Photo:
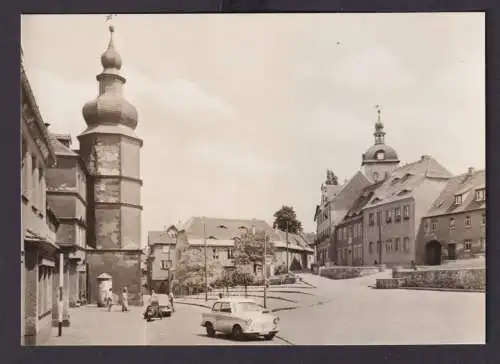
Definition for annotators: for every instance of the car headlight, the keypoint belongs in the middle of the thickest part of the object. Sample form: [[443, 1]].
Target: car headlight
[[249, 323], [276, 320]]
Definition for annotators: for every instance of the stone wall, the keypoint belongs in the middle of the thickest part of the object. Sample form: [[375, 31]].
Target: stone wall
[[464, 278], [347, 272], [124, 268]]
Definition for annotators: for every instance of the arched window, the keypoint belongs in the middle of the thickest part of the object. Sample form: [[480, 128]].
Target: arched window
[[375, 176]]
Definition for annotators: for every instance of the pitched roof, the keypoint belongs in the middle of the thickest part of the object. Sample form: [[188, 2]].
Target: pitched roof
[[465, 185], [363, 198], [223, 228], [403, 180], [59, 148], [160, 237]]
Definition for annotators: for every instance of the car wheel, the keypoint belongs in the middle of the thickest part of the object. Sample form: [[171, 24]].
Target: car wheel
[[269, 336], [237, 332], [210, 329]]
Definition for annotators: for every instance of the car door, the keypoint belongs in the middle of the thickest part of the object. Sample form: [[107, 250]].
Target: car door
[[215, 314], [224, 318]]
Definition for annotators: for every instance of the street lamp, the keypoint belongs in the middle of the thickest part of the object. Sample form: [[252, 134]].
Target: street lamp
[[286, 238], [205, 244], [379, 218], [264, 270]]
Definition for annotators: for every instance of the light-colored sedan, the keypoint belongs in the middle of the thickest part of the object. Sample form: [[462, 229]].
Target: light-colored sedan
[[240, 317]]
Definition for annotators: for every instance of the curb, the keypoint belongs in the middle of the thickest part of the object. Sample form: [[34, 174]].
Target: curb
[[434, 289]]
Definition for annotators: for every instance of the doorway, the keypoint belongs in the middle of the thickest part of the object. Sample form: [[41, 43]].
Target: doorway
[[433, 253], [452, 251]]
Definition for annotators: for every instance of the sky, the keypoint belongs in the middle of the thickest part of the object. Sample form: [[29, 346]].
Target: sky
[[243, 113]]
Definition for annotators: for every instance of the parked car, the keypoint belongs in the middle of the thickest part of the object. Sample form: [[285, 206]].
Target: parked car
[[240, 317]]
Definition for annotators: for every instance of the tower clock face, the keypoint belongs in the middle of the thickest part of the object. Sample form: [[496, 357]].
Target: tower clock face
[[380, 155]]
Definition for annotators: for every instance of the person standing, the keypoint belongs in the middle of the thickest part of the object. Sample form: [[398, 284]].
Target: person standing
[[125, 299], [109, 299], [171, 299]]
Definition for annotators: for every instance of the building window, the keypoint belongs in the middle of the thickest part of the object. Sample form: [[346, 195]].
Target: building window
[[406, 244], [164, 264], [371, 221], [230, 253], [458, 199], [426, 226], [397, 244], [406, 212], [44, 289], [397, 214], [375, 176], [215, 254], [467, 244], [24, 168], [482, 243], [360, 230], [452, 223], [481, 194], [483, 220], [34, 183], [467, 221], [388, 216], [434, 225], [370, 247], [388, 246]]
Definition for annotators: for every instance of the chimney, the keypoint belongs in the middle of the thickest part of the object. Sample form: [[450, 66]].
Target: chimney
[[470, 170], [424, 156]]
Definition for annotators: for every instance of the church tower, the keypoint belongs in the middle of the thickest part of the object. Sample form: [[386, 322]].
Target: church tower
[[380, 159], [111, 151]]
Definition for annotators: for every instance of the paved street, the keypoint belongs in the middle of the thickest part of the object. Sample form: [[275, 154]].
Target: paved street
[[353, 314]]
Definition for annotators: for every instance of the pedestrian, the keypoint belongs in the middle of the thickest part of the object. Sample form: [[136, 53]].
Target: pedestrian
[[125, 300], [220, 295], [171, 299], [109, 299]]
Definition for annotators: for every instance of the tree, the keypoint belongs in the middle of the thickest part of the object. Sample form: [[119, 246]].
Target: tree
[[249, 248], [285, 218], [242, 278]]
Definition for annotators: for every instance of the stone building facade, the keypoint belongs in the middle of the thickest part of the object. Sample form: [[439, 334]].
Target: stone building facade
[[217, 236], [333, 211], [455, 225], [39, 224], [393, 215], [349, 233], [67, 195], [110, 150]]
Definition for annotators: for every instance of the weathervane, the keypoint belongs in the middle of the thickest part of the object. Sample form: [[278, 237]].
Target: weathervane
[[378, 112]]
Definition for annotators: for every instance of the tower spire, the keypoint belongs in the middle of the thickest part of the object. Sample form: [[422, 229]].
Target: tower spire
[[379, 128]]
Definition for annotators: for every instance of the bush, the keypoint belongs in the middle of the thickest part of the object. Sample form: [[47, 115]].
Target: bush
[[280, 269], [295, 264]]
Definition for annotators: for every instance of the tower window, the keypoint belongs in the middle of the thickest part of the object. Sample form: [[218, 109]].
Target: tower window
[[458, 199], [375, 176], [380, 155]]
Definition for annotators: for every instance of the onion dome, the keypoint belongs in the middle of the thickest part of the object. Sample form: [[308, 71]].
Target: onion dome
[[110, 107], [379, 152]]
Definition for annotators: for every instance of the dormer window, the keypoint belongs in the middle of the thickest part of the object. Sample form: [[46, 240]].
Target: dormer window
[[221, 227], [405, 177], [375, 176], [458, 199], [404, 192], [376, 199], [395, 180], [481, 194], [212, 237]]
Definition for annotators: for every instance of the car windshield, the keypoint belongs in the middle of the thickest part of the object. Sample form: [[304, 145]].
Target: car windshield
[[248, 306]]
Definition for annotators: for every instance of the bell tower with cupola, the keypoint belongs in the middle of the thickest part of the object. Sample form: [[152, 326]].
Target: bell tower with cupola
[[380, 159], [110, 149]]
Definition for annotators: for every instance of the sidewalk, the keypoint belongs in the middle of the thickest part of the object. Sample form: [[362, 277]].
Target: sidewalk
[[92, 325]]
